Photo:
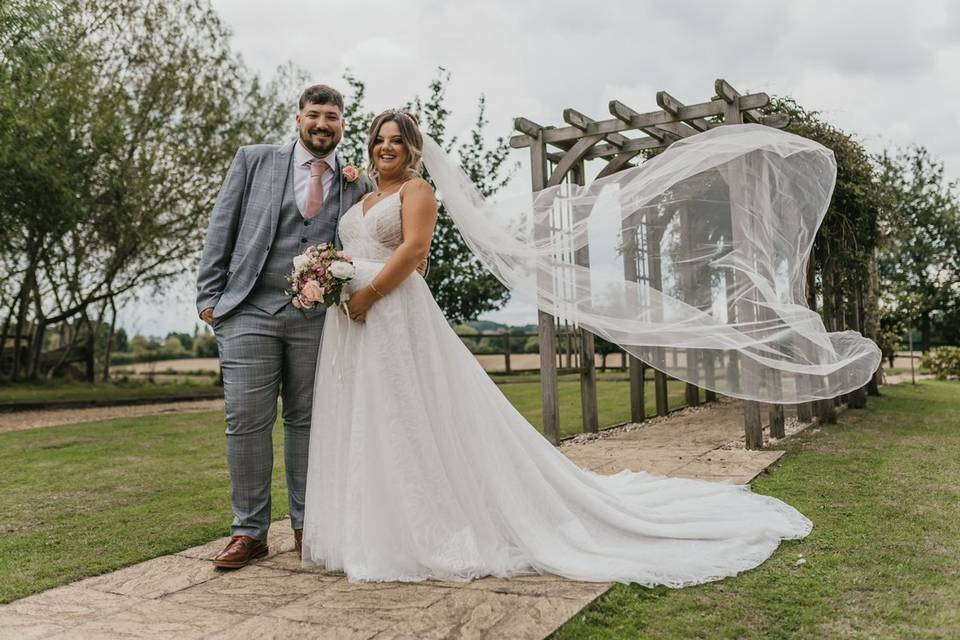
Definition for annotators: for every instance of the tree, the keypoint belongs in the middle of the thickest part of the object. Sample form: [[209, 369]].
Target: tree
[[845, 242], [605, 348], [920, 257], [460, 283], [185, 339], [120, 120], [205, 346]]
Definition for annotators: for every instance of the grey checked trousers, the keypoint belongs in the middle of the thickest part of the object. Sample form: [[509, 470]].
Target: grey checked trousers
[[263, 356]]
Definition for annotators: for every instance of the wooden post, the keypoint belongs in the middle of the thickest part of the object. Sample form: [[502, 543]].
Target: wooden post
[[589, 413], [709, 374], [549, 385], [826, 408], [858, 397], [652, 253], [631, 272], [777, 421], [805, 410], [688, 290], [506, 352], [753, 426], [637, 382], [660, 392]]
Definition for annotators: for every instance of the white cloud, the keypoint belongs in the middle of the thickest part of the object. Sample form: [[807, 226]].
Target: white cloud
[[885, 70]]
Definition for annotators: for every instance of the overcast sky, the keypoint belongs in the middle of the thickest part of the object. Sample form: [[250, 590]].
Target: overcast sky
[[887, 71]]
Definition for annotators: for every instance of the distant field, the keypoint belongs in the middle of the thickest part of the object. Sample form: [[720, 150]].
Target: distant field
[[180, 366], [519, 362]]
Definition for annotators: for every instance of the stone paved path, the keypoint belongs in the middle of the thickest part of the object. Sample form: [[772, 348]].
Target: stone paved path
[[182, 596]]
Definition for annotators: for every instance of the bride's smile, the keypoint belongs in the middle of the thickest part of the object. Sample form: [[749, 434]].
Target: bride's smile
[[389, 153]]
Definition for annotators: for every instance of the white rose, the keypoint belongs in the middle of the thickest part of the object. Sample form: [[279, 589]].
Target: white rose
[[342, 270], [299, 262]]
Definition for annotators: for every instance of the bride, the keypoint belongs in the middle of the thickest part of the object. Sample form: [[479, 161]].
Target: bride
[[420, 468]]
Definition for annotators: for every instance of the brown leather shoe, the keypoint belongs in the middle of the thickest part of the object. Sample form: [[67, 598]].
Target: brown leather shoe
[[298, 541], [240, 551]]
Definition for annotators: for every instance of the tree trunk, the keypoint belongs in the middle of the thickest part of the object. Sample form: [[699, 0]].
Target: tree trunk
[[113, 326], [36, 350], [68, 349], [18, 331], [924, 331], [3, 337], [871, 318], [39, 336], [91, 351]]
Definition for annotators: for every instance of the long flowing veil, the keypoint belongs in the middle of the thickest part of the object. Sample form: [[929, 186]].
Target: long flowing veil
[[694, 262]]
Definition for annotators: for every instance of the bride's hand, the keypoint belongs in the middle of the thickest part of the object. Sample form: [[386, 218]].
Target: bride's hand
[[360, 303]]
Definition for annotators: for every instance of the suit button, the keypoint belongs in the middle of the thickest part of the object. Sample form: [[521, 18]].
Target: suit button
[[303, 239], [306, 223]]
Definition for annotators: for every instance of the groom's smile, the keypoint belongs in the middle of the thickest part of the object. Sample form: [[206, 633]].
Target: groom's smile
[[320, 127]]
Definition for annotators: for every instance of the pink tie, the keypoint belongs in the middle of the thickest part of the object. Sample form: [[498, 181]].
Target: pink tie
[[315, 188]]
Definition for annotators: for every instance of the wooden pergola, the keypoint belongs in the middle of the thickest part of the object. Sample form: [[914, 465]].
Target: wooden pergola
[[558, 154]]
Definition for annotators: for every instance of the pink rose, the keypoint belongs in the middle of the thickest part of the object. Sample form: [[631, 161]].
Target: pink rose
[[312, 291], [350, 173]]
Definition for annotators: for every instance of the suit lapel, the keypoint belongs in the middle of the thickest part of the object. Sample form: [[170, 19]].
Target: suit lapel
[[280, 169]]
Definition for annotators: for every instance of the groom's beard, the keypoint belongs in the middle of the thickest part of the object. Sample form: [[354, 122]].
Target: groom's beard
[[323, 146]]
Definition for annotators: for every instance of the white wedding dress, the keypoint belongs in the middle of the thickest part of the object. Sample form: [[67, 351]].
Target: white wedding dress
[[420, 468]]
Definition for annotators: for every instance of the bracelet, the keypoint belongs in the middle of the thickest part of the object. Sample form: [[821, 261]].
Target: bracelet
[[375, 290]]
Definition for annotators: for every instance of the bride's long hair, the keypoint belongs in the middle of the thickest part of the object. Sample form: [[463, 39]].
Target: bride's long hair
[[409, 133]]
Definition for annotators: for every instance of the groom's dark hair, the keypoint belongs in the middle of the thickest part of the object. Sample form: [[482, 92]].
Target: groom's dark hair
[[321, 94]]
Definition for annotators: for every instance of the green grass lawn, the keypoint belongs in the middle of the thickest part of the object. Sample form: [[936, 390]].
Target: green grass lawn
[[84, 499], [882, 488], [883, 560], [58, 390], [613, 400]]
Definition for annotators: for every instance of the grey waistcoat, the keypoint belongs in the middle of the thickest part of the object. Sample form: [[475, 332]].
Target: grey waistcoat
[[294, 234]]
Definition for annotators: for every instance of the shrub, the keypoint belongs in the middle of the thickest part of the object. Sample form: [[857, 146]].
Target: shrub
[[944, 362]]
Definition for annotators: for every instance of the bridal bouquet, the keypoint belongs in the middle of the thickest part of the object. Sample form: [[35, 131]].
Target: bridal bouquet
[[319, 275]]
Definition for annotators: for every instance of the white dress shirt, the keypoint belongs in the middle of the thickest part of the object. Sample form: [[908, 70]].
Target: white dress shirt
[[301, 173]]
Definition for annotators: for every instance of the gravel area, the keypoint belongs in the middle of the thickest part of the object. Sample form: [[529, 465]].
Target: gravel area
[[23, 420]]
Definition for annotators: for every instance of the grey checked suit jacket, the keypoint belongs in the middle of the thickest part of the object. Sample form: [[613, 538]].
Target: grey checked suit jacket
[[244, 221]]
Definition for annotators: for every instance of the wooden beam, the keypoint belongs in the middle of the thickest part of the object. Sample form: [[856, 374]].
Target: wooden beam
[[673, 106], [618, 162], [728, 94], [691, 112], [527, 126], [571, 158], [579, 120], [665, 133], [635, 145]]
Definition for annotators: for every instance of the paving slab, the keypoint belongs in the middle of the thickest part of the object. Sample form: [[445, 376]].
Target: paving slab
[[184, 596]]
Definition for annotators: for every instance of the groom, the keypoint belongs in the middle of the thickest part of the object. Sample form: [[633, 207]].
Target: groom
[[276, 201]]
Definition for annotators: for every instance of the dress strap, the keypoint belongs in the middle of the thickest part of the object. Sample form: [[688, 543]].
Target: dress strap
[[403, 185]]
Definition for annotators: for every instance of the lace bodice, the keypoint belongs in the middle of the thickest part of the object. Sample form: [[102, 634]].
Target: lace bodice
[[373, 236]]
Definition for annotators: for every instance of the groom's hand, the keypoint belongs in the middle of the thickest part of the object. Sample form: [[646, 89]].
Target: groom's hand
[[207, 315]]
